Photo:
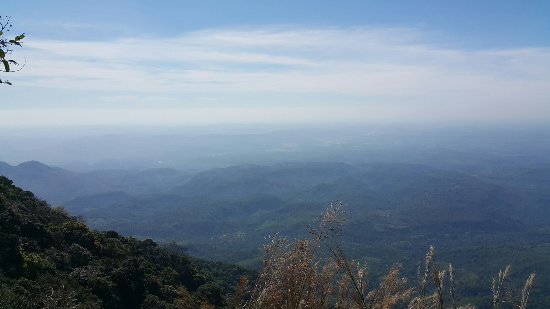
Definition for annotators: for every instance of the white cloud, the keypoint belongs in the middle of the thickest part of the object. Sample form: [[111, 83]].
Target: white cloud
[[194, 116], [374, 65]]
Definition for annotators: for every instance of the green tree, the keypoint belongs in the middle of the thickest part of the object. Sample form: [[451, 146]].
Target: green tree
[[6, 48]]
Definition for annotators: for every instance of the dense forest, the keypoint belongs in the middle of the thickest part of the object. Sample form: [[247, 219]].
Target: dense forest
[[51, 260]]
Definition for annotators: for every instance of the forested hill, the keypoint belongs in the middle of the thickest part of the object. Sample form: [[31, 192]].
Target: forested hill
[[51, 260]]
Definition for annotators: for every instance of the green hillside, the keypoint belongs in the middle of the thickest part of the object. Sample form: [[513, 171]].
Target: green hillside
[[479, 223], [51, 260], [226, 213]]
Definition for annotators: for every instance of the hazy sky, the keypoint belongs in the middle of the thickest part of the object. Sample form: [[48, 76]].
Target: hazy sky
[[188, 62]]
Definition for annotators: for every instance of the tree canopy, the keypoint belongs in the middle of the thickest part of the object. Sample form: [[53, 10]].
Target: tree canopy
[[51, 260]]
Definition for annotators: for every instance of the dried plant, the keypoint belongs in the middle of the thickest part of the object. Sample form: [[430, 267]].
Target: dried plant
[[452, 286], [498, 284], [299, 275], [240, 292], [430, 277], [391, 291], [316, 273], [526, 290]]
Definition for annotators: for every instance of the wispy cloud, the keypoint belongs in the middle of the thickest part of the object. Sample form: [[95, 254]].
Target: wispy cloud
[[398, 66]]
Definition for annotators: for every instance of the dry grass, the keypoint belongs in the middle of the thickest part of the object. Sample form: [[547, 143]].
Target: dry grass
[[316, 273]]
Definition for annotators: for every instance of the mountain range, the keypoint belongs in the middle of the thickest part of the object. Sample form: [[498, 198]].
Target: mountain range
[[479, 220]]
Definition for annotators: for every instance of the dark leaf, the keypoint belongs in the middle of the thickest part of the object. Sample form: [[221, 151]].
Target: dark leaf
[[6, 65]]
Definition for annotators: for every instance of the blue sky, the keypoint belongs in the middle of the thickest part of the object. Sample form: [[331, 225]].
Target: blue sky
[[187, 62]]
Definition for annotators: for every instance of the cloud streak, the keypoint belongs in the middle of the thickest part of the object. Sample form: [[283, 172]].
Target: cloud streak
[[391, 66]]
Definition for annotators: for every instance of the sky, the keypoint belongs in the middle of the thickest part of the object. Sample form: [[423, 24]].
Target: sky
[[278, 61]]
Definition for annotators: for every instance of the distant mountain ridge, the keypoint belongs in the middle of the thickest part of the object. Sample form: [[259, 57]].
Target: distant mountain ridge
[[46, 181], [240, 205], [229, 182], [377, 184], [57, 185], [394, 211], [215, 210]]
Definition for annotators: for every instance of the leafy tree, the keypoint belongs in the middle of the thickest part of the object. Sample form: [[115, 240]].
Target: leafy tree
[[6, 47]]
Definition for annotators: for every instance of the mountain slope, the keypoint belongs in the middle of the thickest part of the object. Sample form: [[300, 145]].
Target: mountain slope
[[226, 213], [45, 180], [57, 185], [50, 260]]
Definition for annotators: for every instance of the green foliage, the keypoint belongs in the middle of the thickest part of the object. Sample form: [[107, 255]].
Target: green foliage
[[51, 260], [6, 45]]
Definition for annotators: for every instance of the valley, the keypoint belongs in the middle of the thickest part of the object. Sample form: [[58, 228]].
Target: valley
[[394, 211]]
